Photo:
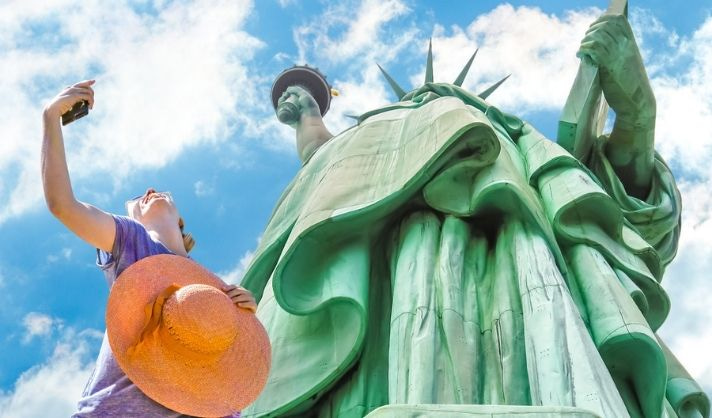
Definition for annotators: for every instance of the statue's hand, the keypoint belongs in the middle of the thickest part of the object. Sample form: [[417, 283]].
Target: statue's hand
[[609, 43], [294, 104]]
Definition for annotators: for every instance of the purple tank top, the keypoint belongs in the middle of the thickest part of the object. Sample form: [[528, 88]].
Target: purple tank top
[[109, 392]]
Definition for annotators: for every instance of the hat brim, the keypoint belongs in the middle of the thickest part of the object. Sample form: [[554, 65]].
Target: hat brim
[[308, 78], [216, 388]]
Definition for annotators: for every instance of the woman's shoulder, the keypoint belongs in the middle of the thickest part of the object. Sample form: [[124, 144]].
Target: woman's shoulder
[[126, 221], [128, 228], [131, 237]]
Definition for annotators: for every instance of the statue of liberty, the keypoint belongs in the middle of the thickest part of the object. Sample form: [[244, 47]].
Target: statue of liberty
[[442, 258]]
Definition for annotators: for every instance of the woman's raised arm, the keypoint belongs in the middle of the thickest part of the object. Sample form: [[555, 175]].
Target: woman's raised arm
[[89, 223]]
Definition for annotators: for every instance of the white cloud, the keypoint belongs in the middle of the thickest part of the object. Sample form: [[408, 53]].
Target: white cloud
[[55, 385], [202, 188], [285, 3], [539, 51], [355, 38], [165, 81], [357, 94], [234, 276], [536, 47], [64, 253], [344, 31], [685, 105], [38, 325], [687, 331]]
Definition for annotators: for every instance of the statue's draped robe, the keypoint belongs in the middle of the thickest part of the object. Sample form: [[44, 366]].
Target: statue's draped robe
[[443, 252]]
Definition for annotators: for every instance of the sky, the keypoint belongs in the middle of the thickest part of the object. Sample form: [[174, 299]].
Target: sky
[[182, 104]]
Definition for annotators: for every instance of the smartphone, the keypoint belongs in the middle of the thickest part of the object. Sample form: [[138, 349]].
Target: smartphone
[[80, 109]]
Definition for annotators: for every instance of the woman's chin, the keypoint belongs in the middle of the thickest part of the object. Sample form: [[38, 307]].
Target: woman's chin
[[157, 208]]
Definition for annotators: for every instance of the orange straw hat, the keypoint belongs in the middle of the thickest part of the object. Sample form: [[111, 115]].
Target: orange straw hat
[[183, 341]]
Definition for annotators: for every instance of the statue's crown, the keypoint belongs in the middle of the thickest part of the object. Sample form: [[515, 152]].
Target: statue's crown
[[400, 93]]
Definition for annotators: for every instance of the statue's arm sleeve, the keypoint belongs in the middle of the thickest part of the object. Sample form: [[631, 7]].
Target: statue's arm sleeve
[[657, 217]]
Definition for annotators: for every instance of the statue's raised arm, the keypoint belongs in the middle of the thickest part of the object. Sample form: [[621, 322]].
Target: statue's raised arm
[[301, 97], [609, 43]]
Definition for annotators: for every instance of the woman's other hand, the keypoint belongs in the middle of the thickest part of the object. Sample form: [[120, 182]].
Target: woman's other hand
[[241, 297], [68, 97]]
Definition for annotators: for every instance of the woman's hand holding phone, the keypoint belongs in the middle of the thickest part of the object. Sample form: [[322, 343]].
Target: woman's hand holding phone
[[66, 100]]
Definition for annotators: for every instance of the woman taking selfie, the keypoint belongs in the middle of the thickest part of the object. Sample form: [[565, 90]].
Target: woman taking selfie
[[153, 226]]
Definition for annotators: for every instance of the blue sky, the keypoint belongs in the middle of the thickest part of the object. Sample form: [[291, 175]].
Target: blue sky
[[182, 104]]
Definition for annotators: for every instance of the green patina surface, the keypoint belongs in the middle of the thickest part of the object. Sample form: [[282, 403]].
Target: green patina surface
[[442, 258], [442, 251]]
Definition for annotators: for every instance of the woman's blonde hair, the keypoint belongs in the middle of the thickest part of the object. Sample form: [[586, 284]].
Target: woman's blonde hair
[[188, 241]]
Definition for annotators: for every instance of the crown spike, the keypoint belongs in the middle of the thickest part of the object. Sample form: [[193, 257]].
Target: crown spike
[[429, 65], [492, 88], [394, 85], [461, 78], [354, 117]]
